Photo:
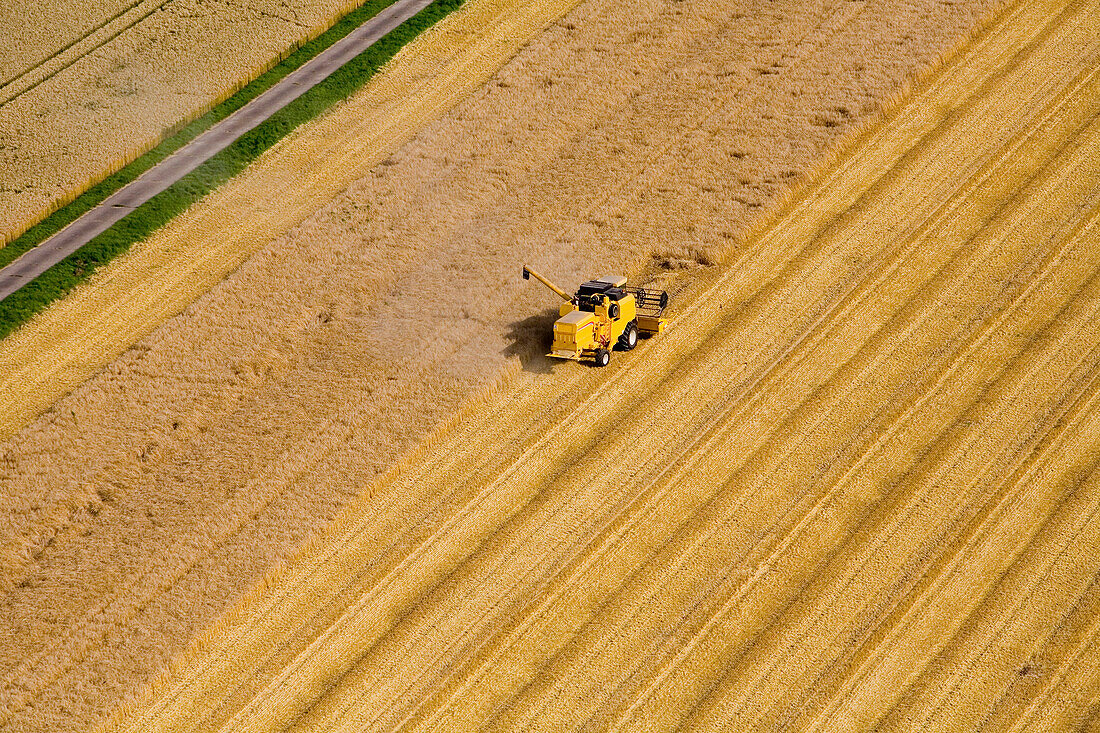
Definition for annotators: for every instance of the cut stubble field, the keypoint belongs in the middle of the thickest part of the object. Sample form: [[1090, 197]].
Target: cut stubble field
[[855, 487], [722, 494]]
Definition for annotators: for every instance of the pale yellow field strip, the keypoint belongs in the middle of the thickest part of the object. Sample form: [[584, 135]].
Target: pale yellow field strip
[[29, 71], [79, 335], [87, 87], [29, 39], [778, 512]]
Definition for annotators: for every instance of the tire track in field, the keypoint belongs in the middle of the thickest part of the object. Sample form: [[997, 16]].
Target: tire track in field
[[1016, 599], [996, 587], [836, 317], [1050, 656], [1069, 699], [1080, 227], [1026, 543], [859, 637], [16, 86], [714, 718]]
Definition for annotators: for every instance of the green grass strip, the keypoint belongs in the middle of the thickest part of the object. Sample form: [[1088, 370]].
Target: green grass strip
[[56, 282]]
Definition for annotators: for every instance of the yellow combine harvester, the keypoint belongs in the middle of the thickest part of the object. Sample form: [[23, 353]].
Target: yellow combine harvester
[[604, 313]]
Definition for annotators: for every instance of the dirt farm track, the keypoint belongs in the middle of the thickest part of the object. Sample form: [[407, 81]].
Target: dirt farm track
[[856, 485]]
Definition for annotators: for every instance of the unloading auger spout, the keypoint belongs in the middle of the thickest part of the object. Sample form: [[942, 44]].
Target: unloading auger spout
[[528, 273]]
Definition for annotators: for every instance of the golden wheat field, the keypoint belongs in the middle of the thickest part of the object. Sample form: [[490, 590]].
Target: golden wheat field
[[86, 87], [853, 487]]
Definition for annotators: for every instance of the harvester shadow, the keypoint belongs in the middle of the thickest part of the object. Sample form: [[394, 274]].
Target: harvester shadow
[[530, 340]]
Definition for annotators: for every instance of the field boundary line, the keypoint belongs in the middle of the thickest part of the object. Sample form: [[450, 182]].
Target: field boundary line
[[105, 177]]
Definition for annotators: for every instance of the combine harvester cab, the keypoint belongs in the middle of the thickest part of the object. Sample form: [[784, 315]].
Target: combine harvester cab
[[604, 313]]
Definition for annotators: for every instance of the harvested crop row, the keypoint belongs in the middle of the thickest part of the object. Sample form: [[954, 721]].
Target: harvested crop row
[[856, 486], [641, 134], [107, 80]]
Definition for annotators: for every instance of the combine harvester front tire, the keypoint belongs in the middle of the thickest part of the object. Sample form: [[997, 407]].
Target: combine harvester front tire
[[629, 339]]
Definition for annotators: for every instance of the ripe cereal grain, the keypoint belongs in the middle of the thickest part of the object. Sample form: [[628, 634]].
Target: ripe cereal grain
[[643, 137]]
